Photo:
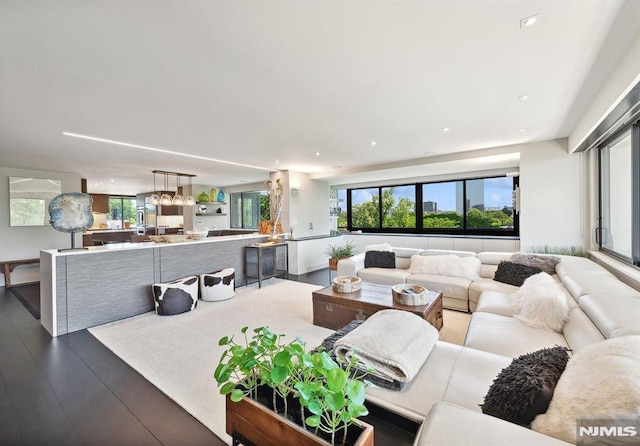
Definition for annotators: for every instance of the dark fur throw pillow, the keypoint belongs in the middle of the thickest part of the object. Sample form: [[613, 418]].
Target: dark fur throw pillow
[[380, 259], [524, 388], [514, 273]]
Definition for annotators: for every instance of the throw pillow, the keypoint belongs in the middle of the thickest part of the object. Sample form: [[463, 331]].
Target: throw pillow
[[379, 247], [541, 302], [379, 259], [514, 273], [524, 389], [600, 382], [448, 265], [545, 263], [176, 297]]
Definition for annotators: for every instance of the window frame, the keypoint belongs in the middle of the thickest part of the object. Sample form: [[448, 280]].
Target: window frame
[[419, 228], [633, 130]]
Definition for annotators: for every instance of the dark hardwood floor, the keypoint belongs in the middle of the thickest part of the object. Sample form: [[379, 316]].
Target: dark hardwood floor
[[72, 390]]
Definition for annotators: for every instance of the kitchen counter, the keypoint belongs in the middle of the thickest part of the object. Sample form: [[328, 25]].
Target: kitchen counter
[[107, 231], [82, 288]]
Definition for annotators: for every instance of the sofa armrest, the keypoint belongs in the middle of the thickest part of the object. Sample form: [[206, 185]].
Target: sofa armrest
[[351, 265], [447, 424]]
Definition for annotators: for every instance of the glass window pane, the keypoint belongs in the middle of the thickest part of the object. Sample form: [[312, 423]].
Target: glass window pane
[[365, 208], [442, 205], [490, 203], [399, 207], [342, 209], [616, 197]]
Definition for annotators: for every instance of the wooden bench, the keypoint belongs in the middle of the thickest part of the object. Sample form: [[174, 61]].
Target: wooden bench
[[8, 266]]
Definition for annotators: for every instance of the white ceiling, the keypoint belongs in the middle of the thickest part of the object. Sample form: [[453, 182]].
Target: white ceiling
[[253, 82]]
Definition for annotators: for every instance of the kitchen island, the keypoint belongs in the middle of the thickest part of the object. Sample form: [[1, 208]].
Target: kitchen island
[[83, 288]]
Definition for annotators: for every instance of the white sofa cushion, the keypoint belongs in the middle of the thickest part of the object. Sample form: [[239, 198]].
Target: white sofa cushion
[[383, 276], [447, 252], [378, 247], [507, 336], [579, 331], [454, 287], [451, 373], [452, 425], [446, 265], [479, 286], [496, 303]]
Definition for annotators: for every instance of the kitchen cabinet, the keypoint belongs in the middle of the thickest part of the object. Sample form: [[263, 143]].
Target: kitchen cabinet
[[100, 203]]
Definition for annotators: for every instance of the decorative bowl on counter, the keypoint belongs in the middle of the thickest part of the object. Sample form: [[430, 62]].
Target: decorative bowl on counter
[[157, 238], [346, 284], [198, 234], [175, 238], [408, 294]]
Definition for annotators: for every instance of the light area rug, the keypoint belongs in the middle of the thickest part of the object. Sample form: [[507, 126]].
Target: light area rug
[[179, 354]]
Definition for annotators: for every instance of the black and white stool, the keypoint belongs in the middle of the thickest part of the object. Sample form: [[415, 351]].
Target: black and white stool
[[219, 285], [178, 296]]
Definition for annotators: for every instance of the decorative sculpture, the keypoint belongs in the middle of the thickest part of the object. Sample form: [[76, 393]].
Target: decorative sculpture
[[71, 212]]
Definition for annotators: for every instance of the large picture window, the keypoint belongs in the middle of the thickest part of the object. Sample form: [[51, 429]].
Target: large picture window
[[619, 233], [481, 206], [248, 209]]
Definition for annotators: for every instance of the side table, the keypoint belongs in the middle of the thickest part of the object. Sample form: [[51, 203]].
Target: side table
[[263, 261]]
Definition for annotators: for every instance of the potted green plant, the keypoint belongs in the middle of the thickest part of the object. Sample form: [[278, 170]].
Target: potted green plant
[[339, 251], [280, 394]]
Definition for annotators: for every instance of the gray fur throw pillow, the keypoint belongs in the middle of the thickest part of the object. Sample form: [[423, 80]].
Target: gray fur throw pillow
[[545, 263], [524, 389], [514, 273]]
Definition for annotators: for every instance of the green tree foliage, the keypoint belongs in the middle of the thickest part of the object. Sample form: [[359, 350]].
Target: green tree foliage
[[264, 207], [403, 215], [442, 220]]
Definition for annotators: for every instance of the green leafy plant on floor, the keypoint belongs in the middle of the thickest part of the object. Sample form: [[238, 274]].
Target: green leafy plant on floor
[[559, 250], [328, 392]]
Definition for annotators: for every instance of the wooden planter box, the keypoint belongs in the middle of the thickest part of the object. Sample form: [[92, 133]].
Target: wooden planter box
[[259, 425]]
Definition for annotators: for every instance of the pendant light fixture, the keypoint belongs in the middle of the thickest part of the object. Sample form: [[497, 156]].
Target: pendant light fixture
[[165, 199], [155, 199], [178, 199], [189, 200]]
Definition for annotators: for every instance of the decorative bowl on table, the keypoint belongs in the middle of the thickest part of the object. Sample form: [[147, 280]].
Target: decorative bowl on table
[[346, 284], [175, 238], [157, 238], [197, 234], [409, 294]]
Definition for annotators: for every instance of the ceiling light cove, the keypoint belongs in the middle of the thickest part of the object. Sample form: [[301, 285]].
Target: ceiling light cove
[[153, 149], [529, 21]]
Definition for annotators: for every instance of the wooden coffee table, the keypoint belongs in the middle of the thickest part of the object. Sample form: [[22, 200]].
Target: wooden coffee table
[[335, 310]]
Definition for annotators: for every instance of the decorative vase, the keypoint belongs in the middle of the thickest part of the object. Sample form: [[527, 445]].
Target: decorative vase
[[220, 196], [213, 195]]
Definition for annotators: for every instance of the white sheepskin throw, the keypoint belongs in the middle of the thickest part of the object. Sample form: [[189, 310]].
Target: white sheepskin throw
[[601, 381], [379, 247], [541, 302], [449, 265]]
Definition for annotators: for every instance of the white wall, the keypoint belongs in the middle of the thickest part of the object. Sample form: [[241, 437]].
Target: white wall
[[26, 242], [309, 205], [623, 78], [551, 197]]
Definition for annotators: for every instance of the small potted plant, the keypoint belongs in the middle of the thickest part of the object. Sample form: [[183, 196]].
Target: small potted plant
[[280, 394], [339, 251]]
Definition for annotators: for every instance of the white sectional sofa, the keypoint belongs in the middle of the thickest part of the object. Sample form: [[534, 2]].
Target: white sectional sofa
[[454, 379], [458, 293]]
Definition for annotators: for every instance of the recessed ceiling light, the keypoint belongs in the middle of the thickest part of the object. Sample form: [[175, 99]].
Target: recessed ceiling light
[[523, 97], [276, 161], [523, 130], [317, 153], [445, 129], [373, 143], [112, 180], [529, 21]]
